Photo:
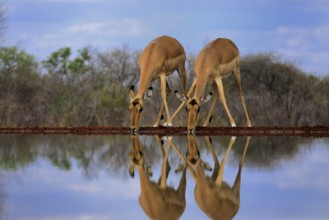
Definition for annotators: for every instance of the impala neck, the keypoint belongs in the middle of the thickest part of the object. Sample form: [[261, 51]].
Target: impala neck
[[200, 86], [143, 178], [201, 179], [145, 81]]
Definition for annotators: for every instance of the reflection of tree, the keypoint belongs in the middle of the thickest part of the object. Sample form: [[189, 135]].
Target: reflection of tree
[[93, 154], [270, 152], [17, 151]]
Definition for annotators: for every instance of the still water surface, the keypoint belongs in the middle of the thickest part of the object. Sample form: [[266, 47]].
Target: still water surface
[[87, 177]]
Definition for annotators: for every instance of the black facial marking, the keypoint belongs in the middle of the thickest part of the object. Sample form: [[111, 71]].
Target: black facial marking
[[193, 102], [135, 103]]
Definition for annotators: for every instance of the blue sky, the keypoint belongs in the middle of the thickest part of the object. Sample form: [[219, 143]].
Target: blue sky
[[298, 30]]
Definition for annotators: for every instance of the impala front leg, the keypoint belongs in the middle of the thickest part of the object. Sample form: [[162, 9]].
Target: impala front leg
[[164, 98], [220, 87], [183, 103], [212, 107]]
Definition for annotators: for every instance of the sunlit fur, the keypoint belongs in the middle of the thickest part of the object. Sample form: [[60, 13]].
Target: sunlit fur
[[136, 111], [160, 58], [193, 154], [136, 155], [157, 199], [217, 60], [193, 108]]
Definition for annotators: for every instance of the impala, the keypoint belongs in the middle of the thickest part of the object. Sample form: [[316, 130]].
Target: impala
[[217, 60], [160, 58], [158, 200], [216, 198]]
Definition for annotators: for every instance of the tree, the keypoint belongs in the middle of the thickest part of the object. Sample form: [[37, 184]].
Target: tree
[[19, 87]]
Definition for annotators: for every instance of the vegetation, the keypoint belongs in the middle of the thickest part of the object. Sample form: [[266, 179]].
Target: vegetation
[[92, 89]]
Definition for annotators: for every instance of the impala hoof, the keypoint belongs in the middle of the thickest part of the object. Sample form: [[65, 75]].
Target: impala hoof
[[166, 124]]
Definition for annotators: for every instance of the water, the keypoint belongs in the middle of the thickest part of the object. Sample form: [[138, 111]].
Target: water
[[87, 177]]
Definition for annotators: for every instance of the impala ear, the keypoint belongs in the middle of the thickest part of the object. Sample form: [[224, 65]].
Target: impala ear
[[206, 98], [148, 93], [132, 171], [131, 92], [181, 96]]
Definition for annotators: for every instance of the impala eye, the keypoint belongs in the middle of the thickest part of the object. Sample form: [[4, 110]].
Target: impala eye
[[140, 110], [198, 110], [186, 109]]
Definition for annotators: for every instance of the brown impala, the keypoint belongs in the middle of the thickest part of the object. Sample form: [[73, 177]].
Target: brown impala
[[218, 59], [158, 200], [216, 198], [160, 58]]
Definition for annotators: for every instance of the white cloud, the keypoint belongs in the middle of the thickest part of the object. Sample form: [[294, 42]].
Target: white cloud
[[125, 27], [87, 27]]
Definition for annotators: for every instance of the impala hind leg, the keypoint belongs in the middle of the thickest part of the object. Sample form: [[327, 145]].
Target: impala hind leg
[[182, 75], [219, 84], [159, 117], [237, 77]]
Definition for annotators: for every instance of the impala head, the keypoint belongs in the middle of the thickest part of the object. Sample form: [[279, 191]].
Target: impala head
[[136, 155], [192, 108], [193, 153], [136, 107]]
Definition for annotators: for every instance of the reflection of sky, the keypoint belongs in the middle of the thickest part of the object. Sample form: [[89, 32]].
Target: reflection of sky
[[296, 190]]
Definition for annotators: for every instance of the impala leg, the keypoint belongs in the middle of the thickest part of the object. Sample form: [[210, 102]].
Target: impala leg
[[238, 82], [182, 185], [219, 83], [183, 103], [163, 178], [163, 153], [182, 75], [214, 156], [237, 182], [159, 117], [212, 107], [164, 98], [222, 164]]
